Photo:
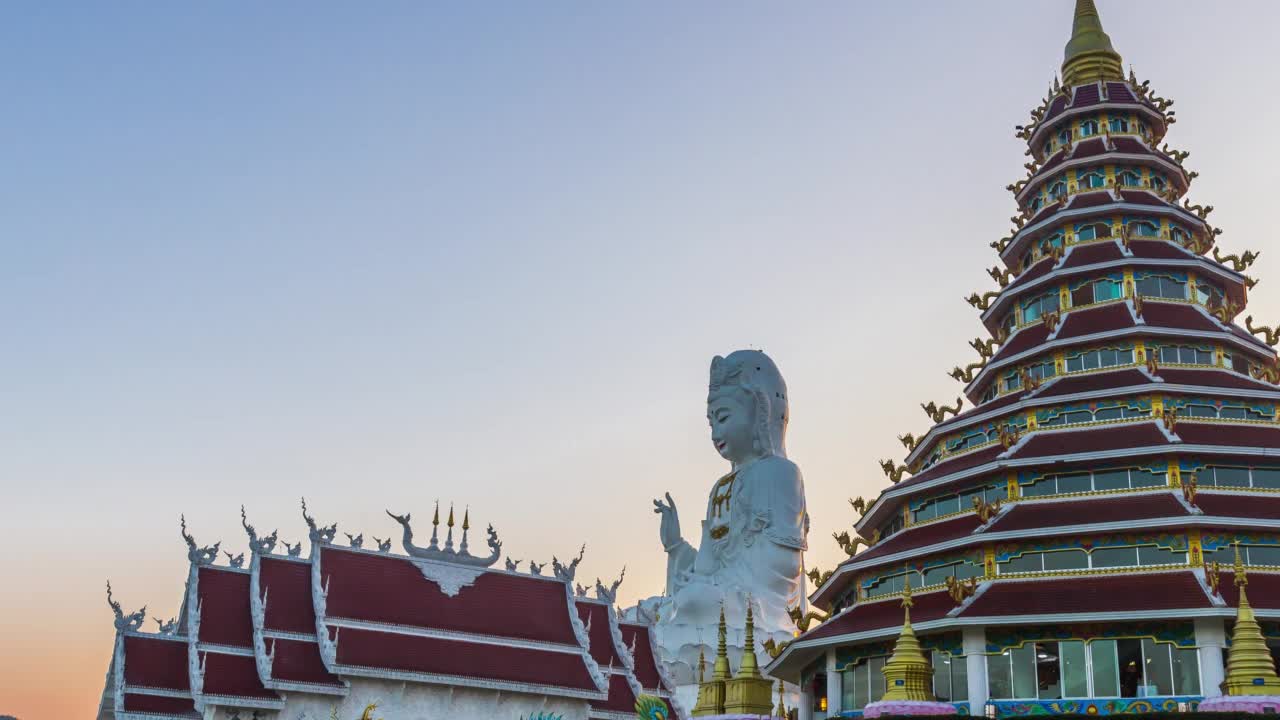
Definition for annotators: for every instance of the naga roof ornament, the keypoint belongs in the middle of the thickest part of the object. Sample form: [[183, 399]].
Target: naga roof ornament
[[460, 556], [126, 623], [568, 572], [323, 535], [198, 555], [258, 545]]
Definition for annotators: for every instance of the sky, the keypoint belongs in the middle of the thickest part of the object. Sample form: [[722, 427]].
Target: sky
[[380, 255]]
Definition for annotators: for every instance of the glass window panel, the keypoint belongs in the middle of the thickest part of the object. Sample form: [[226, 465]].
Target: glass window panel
[[928, 511], [1024, 671], [1075, 678], [1076, 363], [1129, 660], [1143, 478], [1043, 486], [1159, 671], [861, 689], [967, 570], [1231, 477], [1066, 560], [1000, 676], [941, 676], [948, 505], [1233, 413], [959, 678], [1186, 671], [997, 492], [938, 575], [1082, 296], [1115, 557], [1264, 555], [1201, 411], [1109, 414], [1074, 483], [848, 682], [1028, 562], [1075, 417], [875, 672], [1106, 290], [1111, 480], [1106, 674], [1153, 555], [1048, 672], [1266, 478]]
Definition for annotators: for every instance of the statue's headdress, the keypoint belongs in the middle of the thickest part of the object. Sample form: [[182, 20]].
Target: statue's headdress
[[754, 372]]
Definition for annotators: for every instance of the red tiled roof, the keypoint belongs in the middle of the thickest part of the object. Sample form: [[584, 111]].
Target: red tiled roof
[[1000, 402], [1038, 270], [389, 589], [434, 656], [153, 662], [867, 616], [1194, 433], [299, 661], [1177, 315], [1085, 95], [1033, 515], [596, 616], [1056, 107], [1114, 593], [1263, 589], [1114, 316], [1130, 146], [1090, 200], [621, 698], [1026, 338], [233, 676], [1211, 378], [1142, 197], [1090, 382], [1120, 437], [1118, 92], [954, 465], [1158, 250], [224, 607], [160, 705], [917, 536], [1093, 253], [1253, 505], [287, 585], [646, 666]]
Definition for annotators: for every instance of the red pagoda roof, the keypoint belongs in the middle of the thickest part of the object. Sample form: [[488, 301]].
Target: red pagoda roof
[[287, 585], [1228, 435], [298, 662], [1089, 321], [1212, 377], [233, 679], [1069, 442], [1145, 592], [880, 615], [597, 617], [954, 464], [224, 606], [1177, 315], [1092, 253], [1263, 589], [155, 677], [1093, 382], [638, 638], [1251, 505], [160, 706], [1031, 515]]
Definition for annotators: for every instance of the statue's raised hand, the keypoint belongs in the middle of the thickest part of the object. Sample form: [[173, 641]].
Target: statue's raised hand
[[669, 531]]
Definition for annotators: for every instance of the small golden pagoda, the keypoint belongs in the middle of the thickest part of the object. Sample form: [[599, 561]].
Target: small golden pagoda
[[749, 692], [1250, 669], [711, 692], [907, 674]]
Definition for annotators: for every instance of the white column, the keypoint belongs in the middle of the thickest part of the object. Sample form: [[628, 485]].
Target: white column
[[833, 684], [975, 644], [1211, 637], [806, 701]]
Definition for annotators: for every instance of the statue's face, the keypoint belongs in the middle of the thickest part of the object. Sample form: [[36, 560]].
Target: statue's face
[[732, 418]]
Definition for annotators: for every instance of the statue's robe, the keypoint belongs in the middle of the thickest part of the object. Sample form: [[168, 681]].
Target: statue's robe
[[753, 542]]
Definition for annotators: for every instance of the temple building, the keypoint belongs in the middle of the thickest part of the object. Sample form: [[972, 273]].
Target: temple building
[[357, 632], [1065, 535]]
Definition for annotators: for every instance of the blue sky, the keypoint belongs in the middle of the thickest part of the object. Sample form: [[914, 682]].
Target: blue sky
[[484, 253]]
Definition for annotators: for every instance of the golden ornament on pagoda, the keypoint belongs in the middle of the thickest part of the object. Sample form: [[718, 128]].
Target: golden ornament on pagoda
[[907, 674], [1250, 669]]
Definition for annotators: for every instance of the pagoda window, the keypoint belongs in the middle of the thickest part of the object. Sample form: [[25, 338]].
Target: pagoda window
[[1226, 412], [1064, 136], [892, 584], [1036, 308], [1252, 555], [1036, 203], [961, 570], [1162, 286], [1057, 190], [1098, 558], [1179, 234], [1144, 228], [1095, 231], [1185, 355], [1208, 295], [1011, 381], [863, 683], [950, 677], [1012, 674], [1143, 130], [1158, 183], [1101, 358], [990, 393], [1048, 148], [1088, 128], [1237, 362], [1242, 477], [1128, 178], [1042, 370], [972, 439], [1090, 179], [1118, 125], [1096, 481]]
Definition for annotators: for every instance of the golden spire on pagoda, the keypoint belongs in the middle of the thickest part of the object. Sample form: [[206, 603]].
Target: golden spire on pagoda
[[781, 710], [711, 692], [1089, 55], [1250, 669], [750, 667], [749, 692], [907, 673]]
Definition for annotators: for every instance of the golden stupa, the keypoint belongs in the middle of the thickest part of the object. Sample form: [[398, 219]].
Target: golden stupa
[[1250, 669], [907, 674]]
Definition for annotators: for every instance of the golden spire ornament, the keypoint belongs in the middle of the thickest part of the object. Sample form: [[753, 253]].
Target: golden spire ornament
[[711, 692], [749, 692], [1089, 55], [907, 673], [1250, 669]]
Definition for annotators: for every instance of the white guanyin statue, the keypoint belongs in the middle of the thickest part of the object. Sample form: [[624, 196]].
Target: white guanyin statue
[[753, 534]]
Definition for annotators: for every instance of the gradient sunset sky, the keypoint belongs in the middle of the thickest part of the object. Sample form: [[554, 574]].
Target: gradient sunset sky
[[484, 252]]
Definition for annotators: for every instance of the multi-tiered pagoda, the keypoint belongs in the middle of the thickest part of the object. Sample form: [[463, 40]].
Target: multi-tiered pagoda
[[1063, 528]]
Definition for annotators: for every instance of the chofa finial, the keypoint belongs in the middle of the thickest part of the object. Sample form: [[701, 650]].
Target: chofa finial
[[195, 553], [448, 554], [125, 623], [320, 535], [257, 545]]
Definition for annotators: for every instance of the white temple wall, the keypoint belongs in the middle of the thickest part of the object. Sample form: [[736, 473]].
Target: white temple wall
[[411, 701]]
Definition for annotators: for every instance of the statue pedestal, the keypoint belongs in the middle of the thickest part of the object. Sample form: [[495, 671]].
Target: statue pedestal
[[907, 707]]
